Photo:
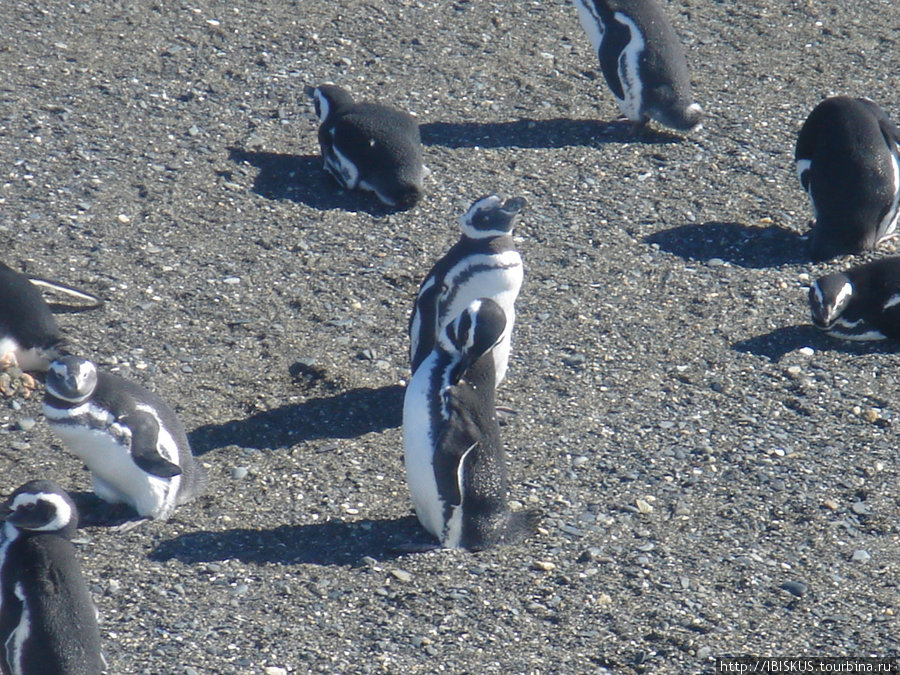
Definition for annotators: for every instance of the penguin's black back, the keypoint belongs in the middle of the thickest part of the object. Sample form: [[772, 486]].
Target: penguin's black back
[[64, 638], [849, 143], [398, 147], [24, 314], [486, 519]]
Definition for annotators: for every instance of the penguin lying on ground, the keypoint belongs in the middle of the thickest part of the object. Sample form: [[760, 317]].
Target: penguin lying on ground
[[48, 622], [133, 443], [369, 146], [29, 336], [847, 161], [484, 263], [861, 303], [642, 60], [455, 463]]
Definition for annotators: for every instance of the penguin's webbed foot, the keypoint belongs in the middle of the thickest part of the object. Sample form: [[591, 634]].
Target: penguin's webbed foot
[[13, 381]]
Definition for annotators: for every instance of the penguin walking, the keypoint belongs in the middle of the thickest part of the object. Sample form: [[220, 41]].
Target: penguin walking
[[642, 60], [455, 463], [370, 146], [133, 443], [861, 303], [29, 336], [484, 263], [847, 161], [48, 622]]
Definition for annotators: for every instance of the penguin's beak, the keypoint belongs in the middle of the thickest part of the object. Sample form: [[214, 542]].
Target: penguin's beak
[[514, 205], [309, 91]]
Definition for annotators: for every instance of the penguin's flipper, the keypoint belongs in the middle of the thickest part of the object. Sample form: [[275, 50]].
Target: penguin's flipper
[[454, 447], [421, 341], [84, 301], [612, 49], [144, 449]]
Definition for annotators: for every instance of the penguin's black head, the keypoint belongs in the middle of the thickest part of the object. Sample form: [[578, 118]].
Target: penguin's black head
[[72, 379], [41, 506], [328, 98], [676, 114], [475, 331], [491, 217], [828, 298]]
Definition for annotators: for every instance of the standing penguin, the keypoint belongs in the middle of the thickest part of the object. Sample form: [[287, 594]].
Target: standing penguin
[[133, 443], [484, 263], [642, 60], [455, 463], [370, 146], [861, 303], [847, 160], [48, 622]]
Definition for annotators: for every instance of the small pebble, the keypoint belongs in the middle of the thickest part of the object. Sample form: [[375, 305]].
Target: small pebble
[[796, 588], [190, 671], [402, 575], [544, 565], [807, 351], [275, 670], [643, 506], [239, 472], [715, 262], [860, 508], [859, 555], [25, 424]]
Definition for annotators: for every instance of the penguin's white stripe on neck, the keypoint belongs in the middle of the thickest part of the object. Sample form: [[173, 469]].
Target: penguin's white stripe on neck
[[628, 68]]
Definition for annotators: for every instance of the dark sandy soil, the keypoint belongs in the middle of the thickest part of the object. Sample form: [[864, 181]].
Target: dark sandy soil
[[695, 446]]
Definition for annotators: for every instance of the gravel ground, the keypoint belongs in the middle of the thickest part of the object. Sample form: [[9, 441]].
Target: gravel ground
[[716, 477]]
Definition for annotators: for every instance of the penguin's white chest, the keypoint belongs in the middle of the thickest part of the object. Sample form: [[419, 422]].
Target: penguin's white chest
[[418, 451], [117, 479]]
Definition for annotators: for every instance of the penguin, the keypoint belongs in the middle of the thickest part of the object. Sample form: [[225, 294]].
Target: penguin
[[483, 263], [370, 146], [642, 60], [133, 443], [847, 161], [29, 336], [861, 303], [48, 622], [455, 463]]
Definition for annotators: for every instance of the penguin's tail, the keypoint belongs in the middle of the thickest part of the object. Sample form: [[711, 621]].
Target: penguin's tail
[[82, 300]]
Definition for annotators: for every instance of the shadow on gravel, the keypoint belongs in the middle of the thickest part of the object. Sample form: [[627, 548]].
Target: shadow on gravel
[[346, 415], [558, 133], [301, 178], [784, 340], [332, 543], [738, 244]]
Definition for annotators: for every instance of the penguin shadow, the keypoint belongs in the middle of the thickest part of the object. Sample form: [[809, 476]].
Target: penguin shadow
[[787, 339], [526, 133], [334, 542], [346, 415], [736, 243], [301, 178]]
